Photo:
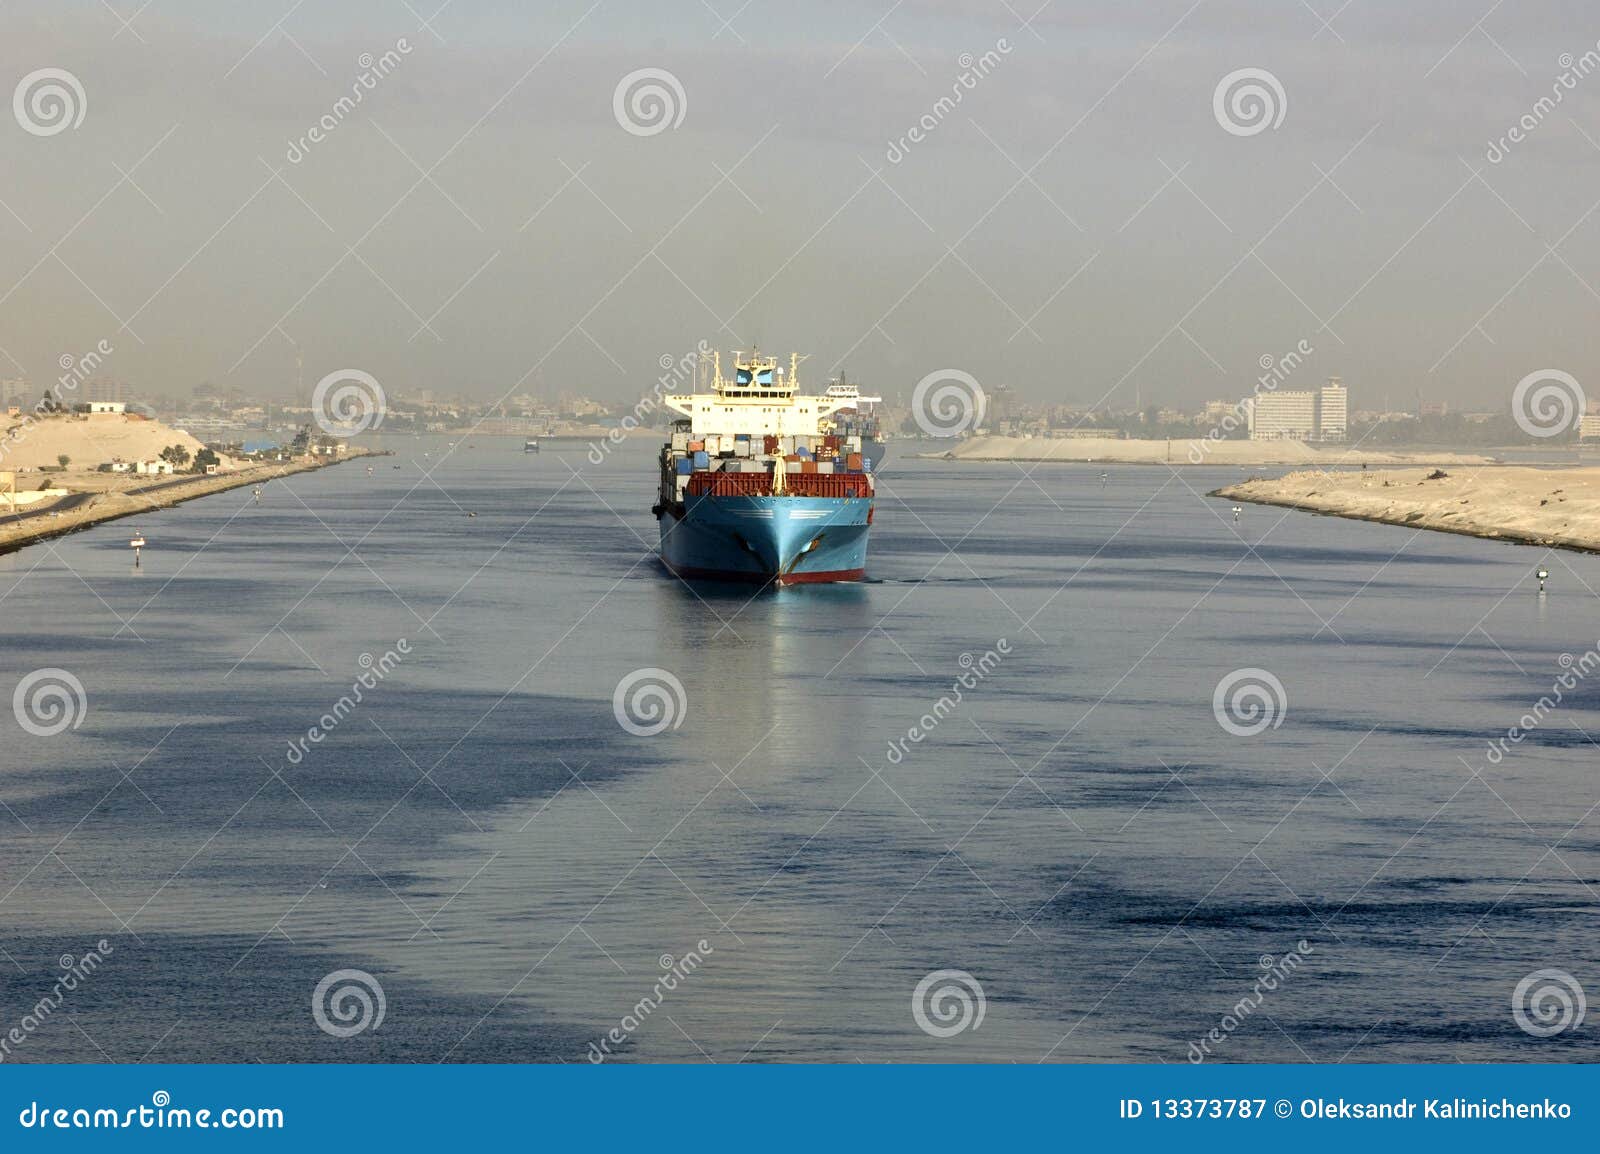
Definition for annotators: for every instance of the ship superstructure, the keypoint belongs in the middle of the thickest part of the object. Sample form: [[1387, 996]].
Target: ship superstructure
[[755, 485]]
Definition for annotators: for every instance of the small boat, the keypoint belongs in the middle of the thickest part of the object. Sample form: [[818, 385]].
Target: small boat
[[530, 446]]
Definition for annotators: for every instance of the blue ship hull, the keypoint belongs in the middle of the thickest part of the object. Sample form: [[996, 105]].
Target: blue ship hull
[[783, 540]]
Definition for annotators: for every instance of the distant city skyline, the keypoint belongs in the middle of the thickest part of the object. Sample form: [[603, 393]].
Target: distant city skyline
[[1066, 213]]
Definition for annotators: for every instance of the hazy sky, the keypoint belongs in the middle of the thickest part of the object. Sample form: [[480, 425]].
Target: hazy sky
[[1079, 225]]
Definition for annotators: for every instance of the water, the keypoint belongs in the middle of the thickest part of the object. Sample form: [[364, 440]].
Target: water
[[1079, 832]]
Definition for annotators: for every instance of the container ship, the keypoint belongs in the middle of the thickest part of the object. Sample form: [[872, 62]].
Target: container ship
[[754, 484], [857, 418]]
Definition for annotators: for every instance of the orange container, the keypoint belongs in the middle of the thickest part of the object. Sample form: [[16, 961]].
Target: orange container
[[697, 446], [808, 466], [853, 462]]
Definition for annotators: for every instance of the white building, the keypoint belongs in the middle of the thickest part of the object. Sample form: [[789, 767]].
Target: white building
[[1589, 427], [1285, 415], [1333, 405], [153, 467], [106, 407], [1300, 414]]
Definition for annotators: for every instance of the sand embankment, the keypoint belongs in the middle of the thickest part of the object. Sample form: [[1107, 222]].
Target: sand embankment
[[30, 441], [118, 496], [1197, 451], [1556, 507]]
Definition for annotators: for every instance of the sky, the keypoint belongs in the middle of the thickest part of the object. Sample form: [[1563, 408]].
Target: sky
[[1086, 225]]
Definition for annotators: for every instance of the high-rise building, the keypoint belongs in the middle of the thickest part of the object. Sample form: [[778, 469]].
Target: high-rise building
[[1285, 415], [1300, 414], [1333, 403]]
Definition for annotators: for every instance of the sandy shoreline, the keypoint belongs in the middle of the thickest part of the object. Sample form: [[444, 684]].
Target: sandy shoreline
[[1557, 507], [1194, 451], [86, 508]]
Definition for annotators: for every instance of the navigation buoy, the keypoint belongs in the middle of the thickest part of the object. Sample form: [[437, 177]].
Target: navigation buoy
[[1543, 574], [1236, 511], [257, 492], [136, 543]]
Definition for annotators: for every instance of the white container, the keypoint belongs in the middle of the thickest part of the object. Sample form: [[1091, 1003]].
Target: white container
[[825, 468], [680, 442], [791, 466]]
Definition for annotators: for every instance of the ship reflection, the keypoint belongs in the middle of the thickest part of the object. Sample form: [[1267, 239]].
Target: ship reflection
[[766, 670]]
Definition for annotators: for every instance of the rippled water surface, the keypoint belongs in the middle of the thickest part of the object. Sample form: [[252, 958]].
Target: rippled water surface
[[1078, 832]]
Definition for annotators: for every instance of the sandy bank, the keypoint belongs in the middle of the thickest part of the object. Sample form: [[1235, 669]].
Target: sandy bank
[[1559, 507], [30, 441], [87, 506], [1198, 451]]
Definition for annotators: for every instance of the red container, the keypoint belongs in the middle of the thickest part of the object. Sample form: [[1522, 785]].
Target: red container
[[828, 485], [769, 445], [835, 485]]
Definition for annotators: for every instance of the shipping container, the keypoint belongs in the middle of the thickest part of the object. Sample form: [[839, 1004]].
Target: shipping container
[[769, 444], [853, 462], [702, 460], [808, 466], [825, 468], [696, 446], [680, 442], [685, 466]]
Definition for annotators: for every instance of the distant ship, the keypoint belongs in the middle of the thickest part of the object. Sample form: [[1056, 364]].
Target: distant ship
[[530, 446], [857, 419], [754, 485]]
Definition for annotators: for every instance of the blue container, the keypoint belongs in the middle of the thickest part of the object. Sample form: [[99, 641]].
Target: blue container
[[685, 466], [702, 460], [803, 454]]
